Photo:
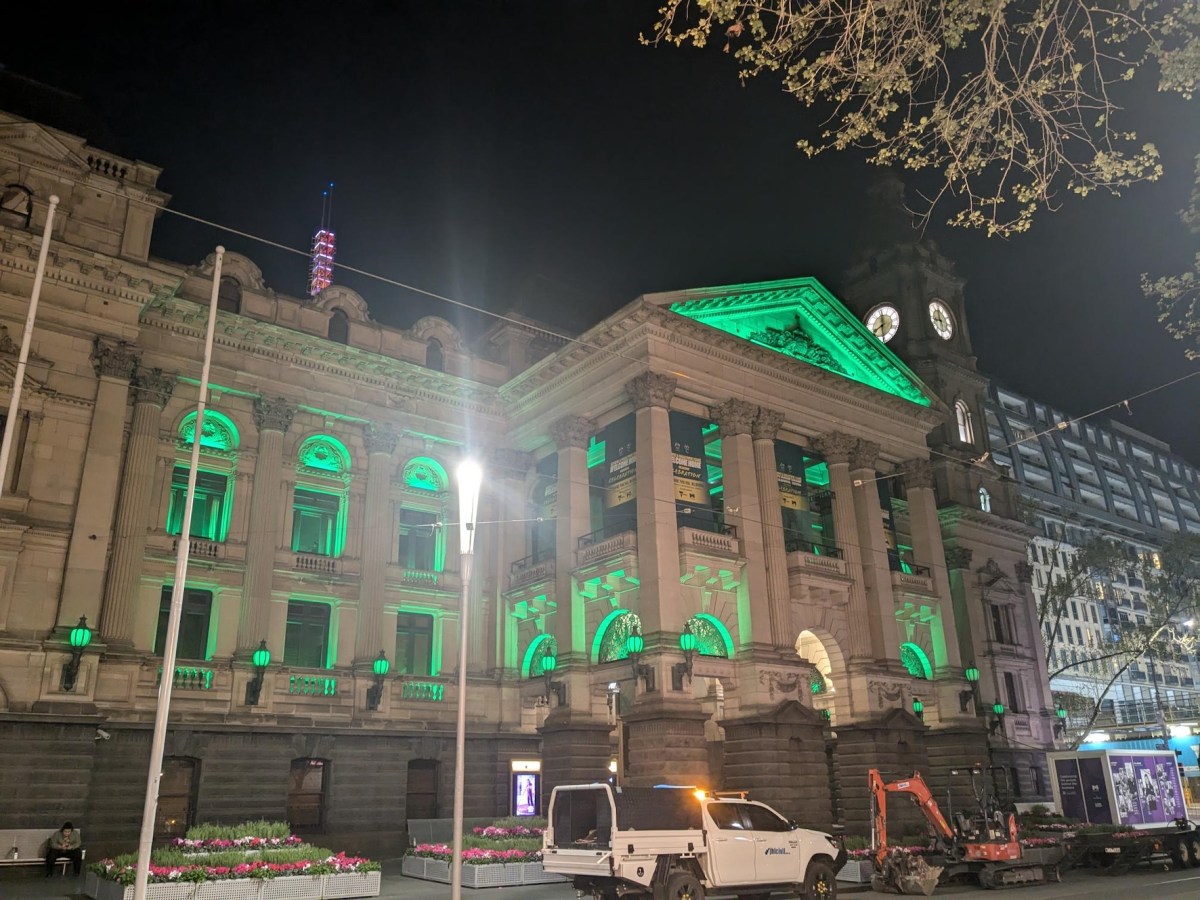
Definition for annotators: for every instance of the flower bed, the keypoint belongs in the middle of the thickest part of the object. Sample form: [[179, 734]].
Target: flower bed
[[506, 853], [232, 865]]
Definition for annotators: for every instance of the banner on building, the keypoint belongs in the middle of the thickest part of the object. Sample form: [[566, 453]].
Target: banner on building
[[691, 485], [791, 492], [622, 479]]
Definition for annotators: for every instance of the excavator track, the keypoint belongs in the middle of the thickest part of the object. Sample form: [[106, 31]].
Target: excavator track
[[999, 877]]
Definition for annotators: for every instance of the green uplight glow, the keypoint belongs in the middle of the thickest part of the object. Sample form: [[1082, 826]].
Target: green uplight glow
[[609, 642], [712, 637], [541, 648], [914, 659], [425, 474], [595, 454], [325, 454], [799, 318], [218, 433]]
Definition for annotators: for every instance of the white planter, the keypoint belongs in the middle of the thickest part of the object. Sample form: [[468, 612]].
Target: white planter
[[492, 875], [351, 884], [413, 866], [856, 871], [291, 887], [533, 873], [239, 889]]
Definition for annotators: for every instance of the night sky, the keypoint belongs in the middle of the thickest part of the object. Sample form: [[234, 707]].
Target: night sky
[[532, 155]]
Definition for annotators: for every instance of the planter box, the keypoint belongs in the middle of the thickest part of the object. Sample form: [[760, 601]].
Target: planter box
[[413, 866], [533, 873], [857, 871], [494, 875], [288, 887]]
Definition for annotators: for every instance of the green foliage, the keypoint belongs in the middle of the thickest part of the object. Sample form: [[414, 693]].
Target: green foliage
[[509, 843], [168, 857], [1008, 103], [518, 821], [207, 832]]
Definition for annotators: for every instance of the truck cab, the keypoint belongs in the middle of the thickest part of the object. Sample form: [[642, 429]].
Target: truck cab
[[683, 844]]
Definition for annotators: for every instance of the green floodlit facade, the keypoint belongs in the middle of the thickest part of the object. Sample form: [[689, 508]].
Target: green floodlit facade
[[746, 468], [800, 319]]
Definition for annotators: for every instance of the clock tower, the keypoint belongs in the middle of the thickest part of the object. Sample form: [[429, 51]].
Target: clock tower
[[910, 297]]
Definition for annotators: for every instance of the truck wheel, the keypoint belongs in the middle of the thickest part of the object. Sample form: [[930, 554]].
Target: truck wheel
[[684, 886], [1181, 854], [820, 882]]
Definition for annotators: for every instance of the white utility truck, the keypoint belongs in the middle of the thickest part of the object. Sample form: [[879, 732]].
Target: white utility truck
[[678, 843]]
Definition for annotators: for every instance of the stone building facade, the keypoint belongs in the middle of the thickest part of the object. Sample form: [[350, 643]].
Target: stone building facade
[[747, 465]]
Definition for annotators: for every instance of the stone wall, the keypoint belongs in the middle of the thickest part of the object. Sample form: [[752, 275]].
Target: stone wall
[[893, 743]]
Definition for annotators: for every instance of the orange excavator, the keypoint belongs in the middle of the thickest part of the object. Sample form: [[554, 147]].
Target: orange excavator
[[985, 848]]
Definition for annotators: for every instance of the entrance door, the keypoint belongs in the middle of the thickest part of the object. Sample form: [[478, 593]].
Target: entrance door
[[421, 802], [176, 797]]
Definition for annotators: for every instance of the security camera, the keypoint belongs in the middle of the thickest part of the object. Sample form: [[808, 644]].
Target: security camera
[[102, 735]]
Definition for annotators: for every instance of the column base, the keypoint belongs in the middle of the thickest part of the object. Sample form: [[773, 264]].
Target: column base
[[667, 744], [576, 749], [894, 743]]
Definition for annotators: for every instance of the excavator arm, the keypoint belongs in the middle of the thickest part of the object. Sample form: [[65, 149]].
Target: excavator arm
[[916, 788]]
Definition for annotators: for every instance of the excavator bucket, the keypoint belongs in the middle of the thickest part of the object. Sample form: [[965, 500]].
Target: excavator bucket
[[902, 873]]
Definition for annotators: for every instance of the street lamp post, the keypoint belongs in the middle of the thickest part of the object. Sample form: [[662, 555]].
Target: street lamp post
[[470, 477]]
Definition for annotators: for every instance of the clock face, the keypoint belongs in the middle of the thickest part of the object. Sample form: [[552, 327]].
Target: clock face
[[884, 322], [943, 322]]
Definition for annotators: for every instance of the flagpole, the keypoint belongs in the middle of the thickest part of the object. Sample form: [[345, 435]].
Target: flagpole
[[10, 423], [154, 774]]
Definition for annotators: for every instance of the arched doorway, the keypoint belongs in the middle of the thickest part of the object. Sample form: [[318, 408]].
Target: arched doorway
[[828, 686]]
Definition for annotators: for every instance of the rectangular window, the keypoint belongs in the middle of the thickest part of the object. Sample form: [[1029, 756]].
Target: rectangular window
[[306, 642], [999, 625], [193, 624], [1012, 692], [1079, 635], [315, 527], [209, 518], [1095, 620], [1074, 610], [418, 540], [414, 644]]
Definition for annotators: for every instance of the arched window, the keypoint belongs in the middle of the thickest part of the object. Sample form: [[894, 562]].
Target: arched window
[[16, 205], [319, 501], [213, 501], [962, 416], [306, 794], [229, 295], [539, 648], [424, 474], [434, 358], [985, 500], [339, 327], [712, 637], [609, 643], [914, 659]]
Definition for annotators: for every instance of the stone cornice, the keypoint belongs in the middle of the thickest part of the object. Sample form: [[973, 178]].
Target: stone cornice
[[405, 381], [641, 322], [951, 516]]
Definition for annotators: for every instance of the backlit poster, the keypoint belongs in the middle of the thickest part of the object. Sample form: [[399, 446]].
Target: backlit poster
[[1146, 789], [1095, 791], [1070, 789], [688, 466]]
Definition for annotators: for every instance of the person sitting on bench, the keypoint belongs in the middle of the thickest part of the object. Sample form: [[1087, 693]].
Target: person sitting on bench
[[64, 842]]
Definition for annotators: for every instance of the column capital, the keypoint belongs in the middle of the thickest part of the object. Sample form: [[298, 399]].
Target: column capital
[[114, 360], [733, 416], [958, 557], [152, 386], [835, 446], [651, 389], [273, 414], [917, 473], [766, 424], [572, 431], [511, 463], [864, 455], [380, 439]]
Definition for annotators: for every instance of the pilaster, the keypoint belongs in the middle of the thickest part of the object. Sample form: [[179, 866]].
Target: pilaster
[[273, 417], [87, 555], [571, 435], [929, 552], [380, 443], [764, 429], [151, 391], [877, 571]]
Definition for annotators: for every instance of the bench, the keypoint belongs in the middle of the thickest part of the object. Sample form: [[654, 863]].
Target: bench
[[30, 845], [440, 831]]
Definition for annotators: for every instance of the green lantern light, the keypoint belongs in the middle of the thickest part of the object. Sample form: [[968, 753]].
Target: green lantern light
[[635, 643], [971, 674], [826, 715], [549, 664], [262, 656], [998, 708], [918, 706], [1061, 713], [687, 640], [381, 666], [81, 634]]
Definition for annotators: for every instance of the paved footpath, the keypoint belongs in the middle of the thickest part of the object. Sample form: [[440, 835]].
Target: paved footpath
[[1080, 885]]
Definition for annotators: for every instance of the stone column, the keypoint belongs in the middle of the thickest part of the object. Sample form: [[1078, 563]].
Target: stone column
[[891, 742], [575, 749], [877, 570], [836, 448], [571, 435], [511, 468], [272, 417], [667, 743], [152, 390], [929, 552], [742, 510], [369, 639], [83, 583], [765, 428], [968, 619], [661, 597]]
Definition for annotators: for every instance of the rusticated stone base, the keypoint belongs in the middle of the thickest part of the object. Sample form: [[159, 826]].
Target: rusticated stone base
[[576, 749], [957, 748], [779, 756], [894, 743], [667, 744]]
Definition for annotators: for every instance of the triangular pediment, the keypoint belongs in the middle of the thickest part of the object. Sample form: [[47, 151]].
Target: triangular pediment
[[23, 138], [799, 318]]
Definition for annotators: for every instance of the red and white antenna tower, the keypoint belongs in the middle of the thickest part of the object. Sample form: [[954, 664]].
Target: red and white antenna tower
[[320, 272]]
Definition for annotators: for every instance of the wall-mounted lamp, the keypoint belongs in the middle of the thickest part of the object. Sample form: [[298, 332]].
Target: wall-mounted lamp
[[998, 718], [1060, 726], [553, 688], [79, 638], [379, 668], [687, 643], [634, 645], [918, 708], [261, 659], [971, 693]]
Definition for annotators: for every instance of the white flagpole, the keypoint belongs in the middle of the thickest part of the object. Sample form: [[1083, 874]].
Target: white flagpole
[[10, 424], [154, 775]]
